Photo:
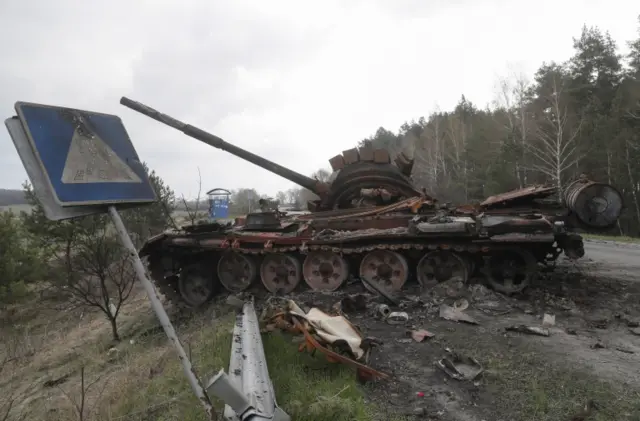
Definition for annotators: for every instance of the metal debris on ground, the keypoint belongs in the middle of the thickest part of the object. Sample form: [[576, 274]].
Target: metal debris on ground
[[397, 318], [481, 293], [455, 315], [530, 330], [421, 335], [411, 301], [585, 414], [632, 323], [460, 367], [333, 336], [382, 311], [352, 303], [461, 304], [381, 291], [548, 320]]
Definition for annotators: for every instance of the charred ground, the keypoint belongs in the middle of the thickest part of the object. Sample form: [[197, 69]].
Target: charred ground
[[590, 354]]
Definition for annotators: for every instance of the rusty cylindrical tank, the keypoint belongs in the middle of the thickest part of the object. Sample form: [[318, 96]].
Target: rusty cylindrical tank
[[596, 205]]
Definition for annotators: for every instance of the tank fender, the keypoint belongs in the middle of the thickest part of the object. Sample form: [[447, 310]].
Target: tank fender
[[150, 244]]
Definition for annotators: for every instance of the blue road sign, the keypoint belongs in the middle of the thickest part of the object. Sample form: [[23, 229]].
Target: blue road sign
[[87, 157]]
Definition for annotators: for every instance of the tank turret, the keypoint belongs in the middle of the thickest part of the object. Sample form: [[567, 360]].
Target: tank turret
[[362, 177]]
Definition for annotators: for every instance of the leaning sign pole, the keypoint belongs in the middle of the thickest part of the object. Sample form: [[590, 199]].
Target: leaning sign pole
[[82, 163]]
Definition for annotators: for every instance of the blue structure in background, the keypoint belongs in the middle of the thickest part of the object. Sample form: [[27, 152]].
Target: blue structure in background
[[218, 203]]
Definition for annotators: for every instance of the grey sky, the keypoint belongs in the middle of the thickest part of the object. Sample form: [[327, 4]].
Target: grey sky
[[296, 82]]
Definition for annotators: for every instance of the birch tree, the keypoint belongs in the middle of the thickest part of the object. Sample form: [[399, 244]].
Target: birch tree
[[556, 149]]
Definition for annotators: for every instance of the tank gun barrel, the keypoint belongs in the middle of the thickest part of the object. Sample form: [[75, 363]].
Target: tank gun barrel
[[315, 186]]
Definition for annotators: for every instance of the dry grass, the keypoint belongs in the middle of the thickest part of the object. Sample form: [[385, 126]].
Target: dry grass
[[142, 379]]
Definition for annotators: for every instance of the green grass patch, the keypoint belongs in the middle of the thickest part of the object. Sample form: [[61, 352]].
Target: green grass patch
[[622, 239], [524, 382], [308, 388], [539, 391]]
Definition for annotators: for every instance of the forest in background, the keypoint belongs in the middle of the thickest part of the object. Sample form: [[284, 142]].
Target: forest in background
[[581, 116]]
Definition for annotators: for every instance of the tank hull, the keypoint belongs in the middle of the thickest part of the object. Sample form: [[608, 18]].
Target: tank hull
[[390, 246], [372, 222]]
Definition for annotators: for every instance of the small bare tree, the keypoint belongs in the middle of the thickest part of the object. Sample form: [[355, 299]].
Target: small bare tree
[[8, 401], [281, 197], [101, 273], [321, 175], [80, 404], [85, 261], [193, 212], [87, 264]]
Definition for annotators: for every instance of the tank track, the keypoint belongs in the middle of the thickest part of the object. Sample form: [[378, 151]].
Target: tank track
[[471, 253], [168, 287]]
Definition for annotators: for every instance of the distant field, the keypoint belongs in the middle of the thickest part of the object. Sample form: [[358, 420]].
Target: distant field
[[16, 208], [180, 216]]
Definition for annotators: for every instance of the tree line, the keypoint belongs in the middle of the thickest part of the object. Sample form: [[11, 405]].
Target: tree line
[[581, 116]]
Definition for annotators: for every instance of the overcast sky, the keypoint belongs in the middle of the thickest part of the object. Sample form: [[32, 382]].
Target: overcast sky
[[293, 81]]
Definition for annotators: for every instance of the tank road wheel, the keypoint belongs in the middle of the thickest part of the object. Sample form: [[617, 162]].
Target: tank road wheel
[[236, 271], [280, 273], [197, 285], [510, 271], [441, 266], [324, 270], [386, 269]]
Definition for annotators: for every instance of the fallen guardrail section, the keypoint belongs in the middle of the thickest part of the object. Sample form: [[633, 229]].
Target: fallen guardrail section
[[247, 391]]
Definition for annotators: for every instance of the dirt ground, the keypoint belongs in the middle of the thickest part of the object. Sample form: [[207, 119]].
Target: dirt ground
[[591, 354]]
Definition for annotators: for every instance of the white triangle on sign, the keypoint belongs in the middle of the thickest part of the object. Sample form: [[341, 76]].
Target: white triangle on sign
[[91, 160]]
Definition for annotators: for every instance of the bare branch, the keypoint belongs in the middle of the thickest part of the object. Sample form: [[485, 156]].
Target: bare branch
[[8, 400], [80, 405], [193, 215]]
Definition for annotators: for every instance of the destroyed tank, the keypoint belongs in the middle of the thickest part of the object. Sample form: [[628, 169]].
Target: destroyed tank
[[371, 222]]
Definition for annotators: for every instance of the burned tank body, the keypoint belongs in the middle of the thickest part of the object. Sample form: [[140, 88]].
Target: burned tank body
[[371, 222]]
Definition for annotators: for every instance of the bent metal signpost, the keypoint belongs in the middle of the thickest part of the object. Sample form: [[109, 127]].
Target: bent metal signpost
[[83, 163]]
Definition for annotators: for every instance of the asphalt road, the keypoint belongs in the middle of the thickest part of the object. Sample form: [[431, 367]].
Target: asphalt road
[[623, 256]]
